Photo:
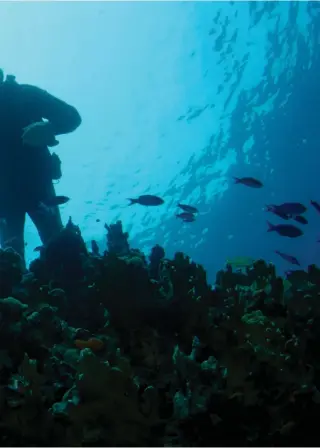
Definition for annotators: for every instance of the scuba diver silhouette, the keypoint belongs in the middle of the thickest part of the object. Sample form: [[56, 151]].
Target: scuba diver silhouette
[[30, 119]]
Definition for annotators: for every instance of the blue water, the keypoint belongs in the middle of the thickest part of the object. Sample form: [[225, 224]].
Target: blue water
[[176, 98]]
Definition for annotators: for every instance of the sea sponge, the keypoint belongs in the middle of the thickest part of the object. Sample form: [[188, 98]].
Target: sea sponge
[[94, 344], [12, 308]]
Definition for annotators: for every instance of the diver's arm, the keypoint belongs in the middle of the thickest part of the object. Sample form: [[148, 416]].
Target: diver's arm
[[63, 117]]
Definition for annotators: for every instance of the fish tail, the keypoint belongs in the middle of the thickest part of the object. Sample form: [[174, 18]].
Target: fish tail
[[270, 226], [236, 180], [132, 201]]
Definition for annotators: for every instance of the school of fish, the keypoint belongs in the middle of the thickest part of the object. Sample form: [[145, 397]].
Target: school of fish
[[287, 211], [188, 213]]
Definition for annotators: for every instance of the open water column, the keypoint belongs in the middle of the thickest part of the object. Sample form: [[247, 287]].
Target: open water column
[[176, 99]]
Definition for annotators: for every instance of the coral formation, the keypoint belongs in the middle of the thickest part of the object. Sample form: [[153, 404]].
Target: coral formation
[[117, 239], [121, 349]]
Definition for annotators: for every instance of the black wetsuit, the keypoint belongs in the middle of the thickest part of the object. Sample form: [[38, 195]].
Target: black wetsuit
[[25, 171]]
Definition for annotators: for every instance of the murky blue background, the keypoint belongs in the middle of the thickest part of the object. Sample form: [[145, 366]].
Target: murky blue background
[[176, 98]]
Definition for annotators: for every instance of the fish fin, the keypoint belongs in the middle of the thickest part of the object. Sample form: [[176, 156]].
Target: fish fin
[[269, 208], [132, 201], [271, 226]]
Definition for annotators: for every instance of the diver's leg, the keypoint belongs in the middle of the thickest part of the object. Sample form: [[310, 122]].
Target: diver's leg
[[47, 221], [12, 231]]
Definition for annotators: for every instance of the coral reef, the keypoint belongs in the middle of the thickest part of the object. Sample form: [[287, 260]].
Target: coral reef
[[117, 239], [121, 349]]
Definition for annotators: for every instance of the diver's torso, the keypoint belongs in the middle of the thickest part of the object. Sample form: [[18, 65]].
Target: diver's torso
[[23, 169]]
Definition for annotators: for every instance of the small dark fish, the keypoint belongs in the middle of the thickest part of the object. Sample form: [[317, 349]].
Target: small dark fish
[[273, 209], [288, 258], [146, 199], [56, 200], [301, 219], [285, 230], [249, 182], [98, 220], [186, 217], [189, 219], [291, 208], [188, 208], [38, 249], [95, 248], [316, 205]]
